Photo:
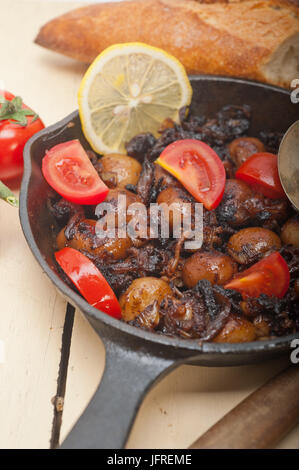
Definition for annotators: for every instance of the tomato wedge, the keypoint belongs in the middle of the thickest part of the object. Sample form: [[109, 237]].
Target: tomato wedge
[[269, 276], [89, 281], [261, 172], [68, 170], [198, 168]]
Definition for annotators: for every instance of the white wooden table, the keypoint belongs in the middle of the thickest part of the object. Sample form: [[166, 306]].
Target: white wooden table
[[175, 412]]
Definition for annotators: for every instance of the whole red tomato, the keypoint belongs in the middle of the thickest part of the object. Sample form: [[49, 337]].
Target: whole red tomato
[[17, 124]]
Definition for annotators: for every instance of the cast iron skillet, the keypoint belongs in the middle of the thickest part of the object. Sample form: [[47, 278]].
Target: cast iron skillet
[[136, 359]]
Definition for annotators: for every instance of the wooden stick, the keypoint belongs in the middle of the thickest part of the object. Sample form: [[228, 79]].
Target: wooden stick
[[261, 420]]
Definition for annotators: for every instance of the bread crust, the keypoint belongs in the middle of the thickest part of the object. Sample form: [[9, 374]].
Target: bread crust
[[237, 38]]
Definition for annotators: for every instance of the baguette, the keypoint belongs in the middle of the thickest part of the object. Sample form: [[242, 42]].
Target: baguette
[[250, 38]]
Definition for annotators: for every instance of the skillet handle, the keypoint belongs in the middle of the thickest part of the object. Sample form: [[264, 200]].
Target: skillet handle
[[129, 373]]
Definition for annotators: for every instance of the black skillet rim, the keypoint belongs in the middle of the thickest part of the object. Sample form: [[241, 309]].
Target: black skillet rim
[[276, 344]]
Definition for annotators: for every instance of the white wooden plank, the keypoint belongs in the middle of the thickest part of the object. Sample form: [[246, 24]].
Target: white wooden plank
[[31, 321], [32, 313]]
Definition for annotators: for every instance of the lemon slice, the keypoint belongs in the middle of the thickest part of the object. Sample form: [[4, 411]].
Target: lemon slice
[[128, 89]]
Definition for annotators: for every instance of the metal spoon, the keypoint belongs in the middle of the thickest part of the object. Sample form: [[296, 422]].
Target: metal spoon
[[288, 163]]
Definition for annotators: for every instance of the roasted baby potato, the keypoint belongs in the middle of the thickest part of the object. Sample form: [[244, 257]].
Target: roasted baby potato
[[242, 148], [290, 232], [174, 195], [142, 293], [118, 170], [84, 238], [251, 244], [237, 330], [238, 204], [216, 267]]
